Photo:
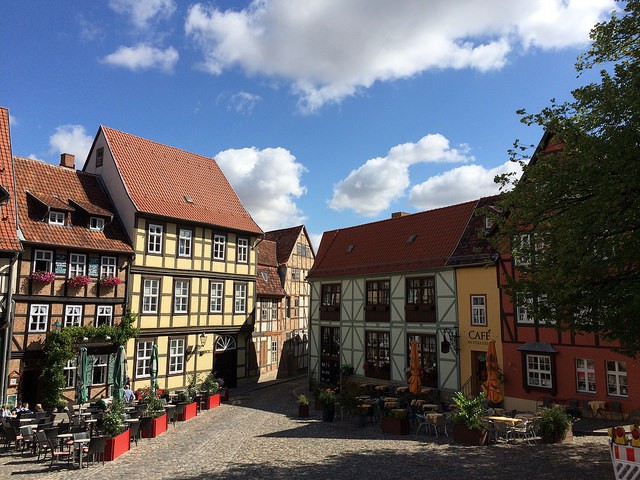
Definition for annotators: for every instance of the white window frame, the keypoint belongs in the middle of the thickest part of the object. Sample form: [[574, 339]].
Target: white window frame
[[523, 309], [154, 240], [585, 375], [70, 373], [617, 378], [274, 351], [38, 318], [219, 246], [143, 358], [77, 264], [181, 296], [43, 256], [240, 298], [150, 295], [176, 355], [538, 371], [104, 315], [108, 266], [185, 240], [216, 298], [56, 217], [479, 310], [100, 367], [243, 250], [96, 224], [72, 316]]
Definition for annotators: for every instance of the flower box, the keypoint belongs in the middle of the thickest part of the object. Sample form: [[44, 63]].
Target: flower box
[[211, 401], [42, 276], [395, 426], [190, 411], [110, 281], [158, 426], [79, 281], [117, 445]]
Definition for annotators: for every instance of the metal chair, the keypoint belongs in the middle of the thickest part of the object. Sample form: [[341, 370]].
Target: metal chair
[[95, 450], [134, 431]]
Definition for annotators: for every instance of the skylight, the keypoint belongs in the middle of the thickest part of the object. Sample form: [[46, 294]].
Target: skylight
[[412, 238], [188, 198]]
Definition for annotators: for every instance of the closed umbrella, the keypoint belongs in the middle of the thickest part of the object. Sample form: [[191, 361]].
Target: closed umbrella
[[82, 379], [154, 369], [118, 374], [492, 386], [415, 380]]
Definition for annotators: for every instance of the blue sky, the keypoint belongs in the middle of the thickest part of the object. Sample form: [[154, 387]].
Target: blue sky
[[330, 113]]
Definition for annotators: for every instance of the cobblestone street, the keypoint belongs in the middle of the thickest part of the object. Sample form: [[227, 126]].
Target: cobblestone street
[[257, 436]]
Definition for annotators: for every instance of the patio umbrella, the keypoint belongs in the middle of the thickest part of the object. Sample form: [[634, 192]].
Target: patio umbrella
[[118, 373], [82, 379], [154, 369], [492, 386], [415, 380]]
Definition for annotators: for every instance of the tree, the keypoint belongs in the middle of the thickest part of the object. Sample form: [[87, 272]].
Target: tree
[[573, 218]]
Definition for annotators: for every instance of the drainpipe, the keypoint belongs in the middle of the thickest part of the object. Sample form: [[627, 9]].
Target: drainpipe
[[8, 332]]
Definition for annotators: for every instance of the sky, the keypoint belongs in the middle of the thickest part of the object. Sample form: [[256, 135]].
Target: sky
[[327, 113]]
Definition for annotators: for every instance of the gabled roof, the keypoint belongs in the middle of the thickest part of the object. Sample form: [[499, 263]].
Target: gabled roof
[[414, 242], [8, 225], [50, 184], [170, 182], [268, 281], [287, 239], [267, 253]]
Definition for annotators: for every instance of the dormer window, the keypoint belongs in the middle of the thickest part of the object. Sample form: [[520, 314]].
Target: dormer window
[[56, 218], [96, 224]]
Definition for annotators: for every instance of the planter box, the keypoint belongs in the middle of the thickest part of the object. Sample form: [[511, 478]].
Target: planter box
[[395, 426], [116, 446], [465, 436], [303, 411], [158, 426], [190, 411], [211, 401]]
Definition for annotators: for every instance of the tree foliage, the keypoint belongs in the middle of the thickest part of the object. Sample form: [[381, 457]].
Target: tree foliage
[[578, 197]]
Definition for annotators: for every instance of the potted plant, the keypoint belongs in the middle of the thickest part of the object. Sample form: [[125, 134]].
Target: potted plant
[[118, 438], [303, 406], [153, 408], [42, 277], [210, 387], [469, 428], [395, 421], [79, 281], [327, 399], [555, 425], [360, 414], [110, 281]]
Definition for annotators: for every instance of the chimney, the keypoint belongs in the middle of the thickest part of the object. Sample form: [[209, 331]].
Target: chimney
[[68, 160], [399, 214]]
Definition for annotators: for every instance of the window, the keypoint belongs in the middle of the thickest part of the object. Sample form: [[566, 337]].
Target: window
[[240, 298], [176, 355], [108, 266], [100, 365], [243, 250], [56, 218], [181, 296], [219, 243], [331, 295], [539, 371], [585, 375], [99, 156], [377, 362], [43, 261], [428, 355], [295, 274], [154, 239], [421, 291], [104, 315], [143, 358], [378, 292], [70, 374], [268, 314], [217, 292], [478, 310], [184, 243], [73, 316], [274, 351], [38, 317], [150, 296], [617, 378], [523, 310], [96, 224], [522, 254], [77, 264]]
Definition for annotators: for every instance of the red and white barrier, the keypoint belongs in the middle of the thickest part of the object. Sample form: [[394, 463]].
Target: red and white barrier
[[626, 461]]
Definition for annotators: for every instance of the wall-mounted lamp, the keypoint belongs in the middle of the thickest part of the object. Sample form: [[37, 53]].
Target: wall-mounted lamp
[[450, 339]]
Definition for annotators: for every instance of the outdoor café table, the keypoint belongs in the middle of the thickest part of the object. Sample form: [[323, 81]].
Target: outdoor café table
[[64, 437], [432, 416], [81, 442], [429, 406], [509, 420], [597, 407]]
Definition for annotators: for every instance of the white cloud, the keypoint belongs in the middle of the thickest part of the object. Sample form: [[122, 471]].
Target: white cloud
[[143, 57], [243, 102], [330, 49], [267, 182], [142, 12], [372, 187], [71, 139], [458, 185]]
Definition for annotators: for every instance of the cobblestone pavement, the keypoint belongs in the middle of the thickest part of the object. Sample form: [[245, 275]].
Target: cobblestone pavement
[[257, 436]]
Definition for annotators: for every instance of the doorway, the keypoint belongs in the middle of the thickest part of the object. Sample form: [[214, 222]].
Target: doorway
[[30, 387], [225, 360], [478, 371]]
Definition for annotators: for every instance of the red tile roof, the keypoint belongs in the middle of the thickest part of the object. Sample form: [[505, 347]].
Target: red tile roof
[[158, 178], [268, 282], [62, 187], [473, 247], [287, 239], [415, 242], [267, 253], [8, 226]]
